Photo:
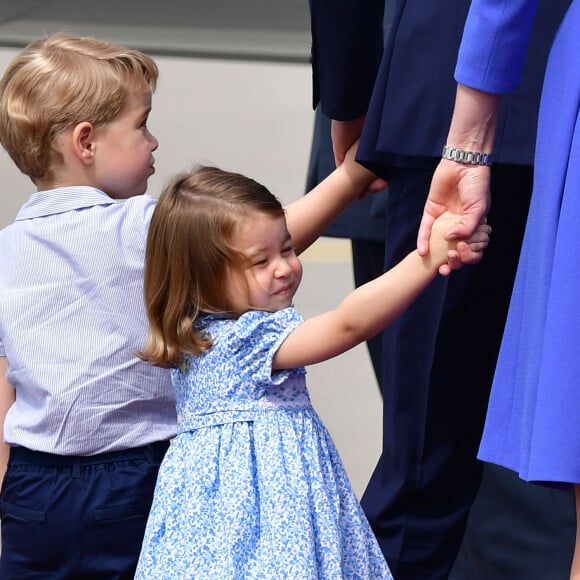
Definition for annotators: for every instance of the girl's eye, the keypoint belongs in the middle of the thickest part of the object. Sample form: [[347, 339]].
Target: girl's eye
[[287, 251]]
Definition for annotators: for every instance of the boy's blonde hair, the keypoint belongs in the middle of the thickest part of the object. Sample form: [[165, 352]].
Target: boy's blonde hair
[[59, 81], [189, 256]]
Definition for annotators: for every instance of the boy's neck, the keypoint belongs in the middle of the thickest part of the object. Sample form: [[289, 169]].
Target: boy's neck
[[47, 184], [67, 170], [63, 177]]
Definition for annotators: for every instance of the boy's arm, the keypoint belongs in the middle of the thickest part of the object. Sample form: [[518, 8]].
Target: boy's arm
[[310, 215], [7, 397]]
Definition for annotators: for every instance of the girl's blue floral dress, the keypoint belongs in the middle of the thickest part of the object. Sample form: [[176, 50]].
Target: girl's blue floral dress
[[252, 486]]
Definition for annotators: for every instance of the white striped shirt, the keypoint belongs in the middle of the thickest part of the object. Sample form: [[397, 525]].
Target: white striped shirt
[[71, 319]]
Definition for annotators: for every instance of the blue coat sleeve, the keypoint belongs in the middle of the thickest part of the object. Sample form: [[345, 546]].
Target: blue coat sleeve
[[347, 45], [494, 44]]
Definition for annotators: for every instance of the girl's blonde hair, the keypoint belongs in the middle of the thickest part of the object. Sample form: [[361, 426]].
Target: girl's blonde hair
[[189, 256], [58, 82]]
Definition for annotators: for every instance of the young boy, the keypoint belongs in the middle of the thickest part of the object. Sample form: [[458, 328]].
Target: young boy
[[86, 421]]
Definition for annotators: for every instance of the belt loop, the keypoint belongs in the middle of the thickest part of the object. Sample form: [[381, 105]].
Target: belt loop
[[11, 454], [147, 451], [76, 470]]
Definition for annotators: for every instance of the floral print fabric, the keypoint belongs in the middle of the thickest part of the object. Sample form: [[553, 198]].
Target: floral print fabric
[[252, 487]]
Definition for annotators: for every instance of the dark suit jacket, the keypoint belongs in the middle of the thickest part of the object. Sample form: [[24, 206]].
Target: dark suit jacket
[[410, 104]]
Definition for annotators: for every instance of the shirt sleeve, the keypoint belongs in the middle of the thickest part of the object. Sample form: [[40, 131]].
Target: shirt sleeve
[[494, 44], [143, 212]]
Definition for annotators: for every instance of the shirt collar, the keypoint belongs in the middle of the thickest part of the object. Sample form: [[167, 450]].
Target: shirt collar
[[63, 199]]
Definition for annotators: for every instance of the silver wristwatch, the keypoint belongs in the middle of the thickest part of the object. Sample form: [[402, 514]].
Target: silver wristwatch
[[467, 157]]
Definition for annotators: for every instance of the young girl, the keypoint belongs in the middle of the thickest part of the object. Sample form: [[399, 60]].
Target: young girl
[[252, 486]]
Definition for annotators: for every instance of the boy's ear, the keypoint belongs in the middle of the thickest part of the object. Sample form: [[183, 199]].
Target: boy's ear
[[83, 144]]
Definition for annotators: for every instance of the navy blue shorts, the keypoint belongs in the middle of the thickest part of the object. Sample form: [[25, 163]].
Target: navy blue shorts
[[76, 517]]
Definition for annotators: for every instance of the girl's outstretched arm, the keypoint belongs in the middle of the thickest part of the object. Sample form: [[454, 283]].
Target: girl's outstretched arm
[[373, 306], [310, 215]]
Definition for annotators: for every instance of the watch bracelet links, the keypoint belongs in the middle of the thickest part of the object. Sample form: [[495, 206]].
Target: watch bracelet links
[[467, 157]]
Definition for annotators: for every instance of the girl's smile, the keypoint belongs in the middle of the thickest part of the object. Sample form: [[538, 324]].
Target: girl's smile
[[272, 270]]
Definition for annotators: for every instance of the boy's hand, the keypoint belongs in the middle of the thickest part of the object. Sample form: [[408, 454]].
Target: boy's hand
[[362, 178], [345, 137]]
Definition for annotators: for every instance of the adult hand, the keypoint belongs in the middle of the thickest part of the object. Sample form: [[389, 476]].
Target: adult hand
[[344, 134], [461, 189]]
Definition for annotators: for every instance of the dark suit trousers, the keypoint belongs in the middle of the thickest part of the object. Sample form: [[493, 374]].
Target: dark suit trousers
[[517, 531], [368, 258], [439, 359]]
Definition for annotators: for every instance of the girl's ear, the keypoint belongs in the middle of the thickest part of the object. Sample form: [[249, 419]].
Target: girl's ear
[[83, 142]]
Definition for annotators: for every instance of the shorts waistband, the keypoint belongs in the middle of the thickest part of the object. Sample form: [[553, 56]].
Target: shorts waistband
[[153, 452]]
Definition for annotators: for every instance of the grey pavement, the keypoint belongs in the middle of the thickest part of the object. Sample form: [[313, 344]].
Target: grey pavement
[[236, 29], [231, 93]]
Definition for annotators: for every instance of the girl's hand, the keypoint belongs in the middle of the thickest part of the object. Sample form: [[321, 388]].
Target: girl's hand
[[468, 251]]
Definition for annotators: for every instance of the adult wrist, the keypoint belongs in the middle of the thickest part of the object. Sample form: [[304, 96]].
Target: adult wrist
[[466, 157]]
